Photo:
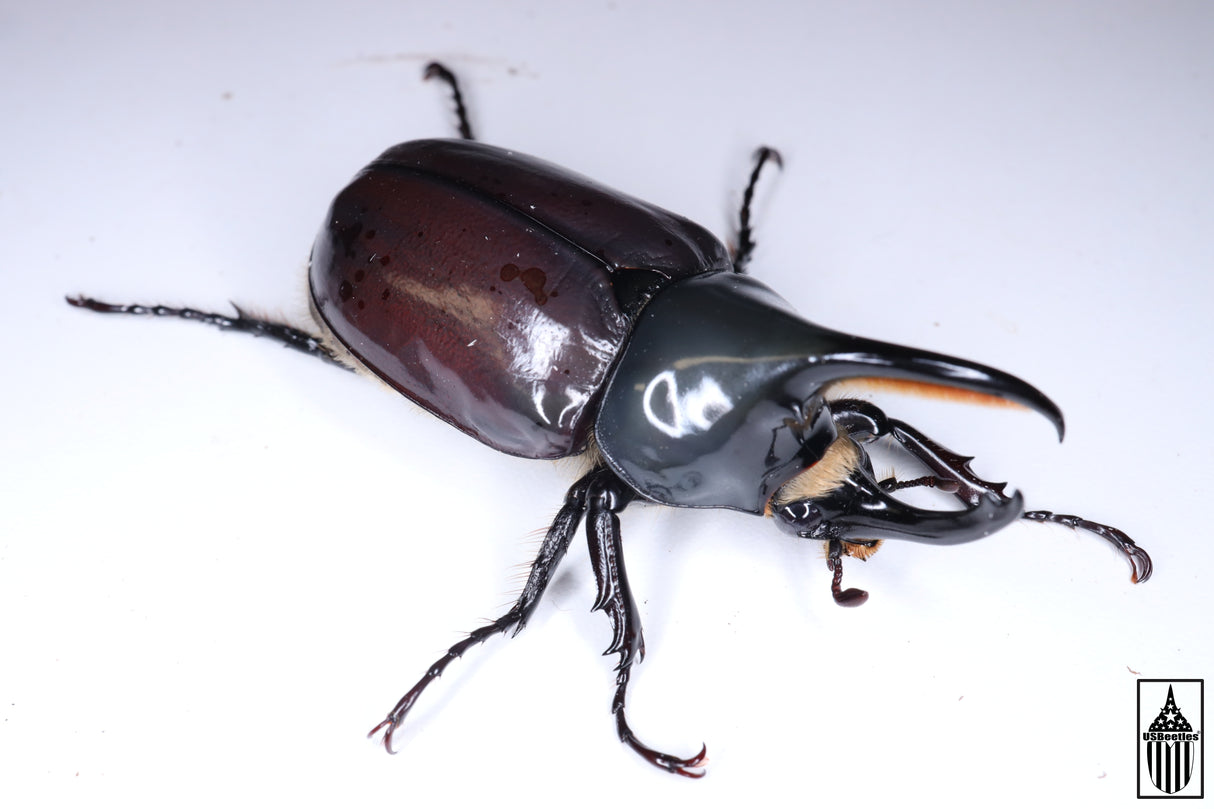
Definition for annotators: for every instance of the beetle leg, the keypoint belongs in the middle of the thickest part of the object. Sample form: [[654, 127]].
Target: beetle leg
[[746, 244], [866, 422], [435, 70], [289, 336], [1140, 561], [553, 549], [608, 496], [971, 487], [954, 476]]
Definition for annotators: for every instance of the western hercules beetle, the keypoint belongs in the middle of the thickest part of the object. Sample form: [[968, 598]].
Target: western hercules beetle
[[546, 316]]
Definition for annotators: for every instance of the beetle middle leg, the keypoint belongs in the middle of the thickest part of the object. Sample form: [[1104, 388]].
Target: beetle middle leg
[[553, 549], [746, 243], [606, 498], [600, 496], [437, 70]]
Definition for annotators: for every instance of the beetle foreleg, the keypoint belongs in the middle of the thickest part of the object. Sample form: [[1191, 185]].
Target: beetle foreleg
[[289, 336], [967, 487], [954, 476], [608, 496], [972, 487], [553, 549], [1140, 561], [746, 244]]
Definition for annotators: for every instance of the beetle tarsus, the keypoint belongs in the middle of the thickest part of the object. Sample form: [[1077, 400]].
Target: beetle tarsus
[[688, 767], [288, 336], [746, 244], [1140, 561], [437, 70], [391, 724]]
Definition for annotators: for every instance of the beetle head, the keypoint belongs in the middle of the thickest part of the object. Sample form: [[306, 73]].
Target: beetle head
[[839, 499]]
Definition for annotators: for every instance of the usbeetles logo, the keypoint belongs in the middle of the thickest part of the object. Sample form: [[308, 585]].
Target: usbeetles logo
[[1171, 718]]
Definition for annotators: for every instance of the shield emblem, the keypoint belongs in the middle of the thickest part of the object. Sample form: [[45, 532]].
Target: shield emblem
[[1170, 765]]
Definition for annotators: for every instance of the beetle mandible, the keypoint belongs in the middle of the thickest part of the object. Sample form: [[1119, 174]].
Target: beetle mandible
[[546, 316]]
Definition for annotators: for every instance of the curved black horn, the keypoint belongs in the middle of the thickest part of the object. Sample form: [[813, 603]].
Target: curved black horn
[[837, 356]]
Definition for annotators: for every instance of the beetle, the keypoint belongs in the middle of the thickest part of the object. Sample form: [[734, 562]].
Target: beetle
[[546, 315]]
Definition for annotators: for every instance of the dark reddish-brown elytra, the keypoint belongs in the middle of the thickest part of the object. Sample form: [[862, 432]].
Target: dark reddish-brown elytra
[[495, 289]]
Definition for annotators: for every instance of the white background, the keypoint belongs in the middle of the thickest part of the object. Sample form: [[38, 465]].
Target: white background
[[221, 562]]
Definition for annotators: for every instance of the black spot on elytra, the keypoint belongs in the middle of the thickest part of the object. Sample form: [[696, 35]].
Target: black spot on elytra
[[347, 235]]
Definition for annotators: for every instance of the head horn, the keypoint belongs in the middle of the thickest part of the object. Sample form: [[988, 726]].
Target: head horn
[[839, 356]]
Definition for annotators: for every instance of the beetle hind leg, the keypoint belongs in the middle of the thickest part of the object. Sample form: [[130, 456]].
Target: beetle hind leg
[[553, 549], [607, 496], [289, 336], [437, 70]]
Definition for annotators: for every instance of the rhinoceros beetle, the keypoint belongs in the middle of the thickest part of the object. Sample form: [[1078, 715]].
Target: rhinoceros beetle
[[547, 315]]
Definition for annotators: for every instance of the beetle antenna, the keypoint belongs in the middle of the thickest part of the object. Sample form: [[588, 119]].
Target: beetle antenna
[[746, 243], [892, 484], [436, 70], [851, 597]]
